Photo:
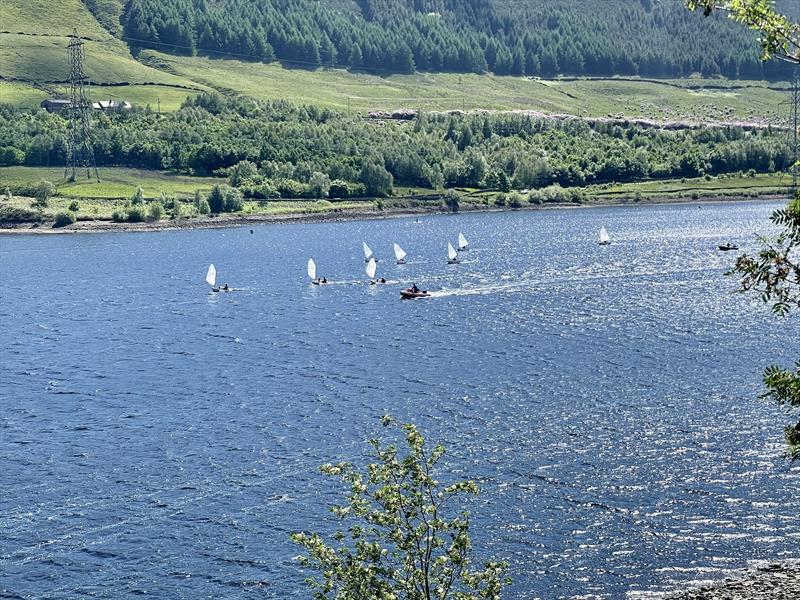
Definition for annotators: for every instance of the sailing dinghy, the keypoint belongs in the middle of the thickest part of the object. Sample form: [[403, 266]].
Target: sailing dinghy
[[452, 255], [463, 244], [211, 278], [399, 254], [368, 253], [605, 239], [371, 267], [312, 273]]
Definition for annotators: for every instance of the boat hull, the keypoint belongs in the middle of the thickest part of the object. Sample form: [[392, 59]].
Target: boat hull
[[409, 295]]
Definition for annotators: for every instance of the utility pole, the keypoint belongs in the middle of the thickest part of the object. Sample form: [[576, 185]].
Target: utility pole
[[80, 153]]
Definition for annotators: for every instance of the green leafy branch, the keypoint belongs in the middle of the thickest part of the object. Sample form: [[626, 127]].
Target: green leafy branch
[[405, 540]]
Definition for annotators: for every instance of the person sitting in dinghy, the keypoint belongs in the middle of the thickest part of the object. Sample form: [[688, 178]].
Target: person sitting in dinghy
[[414, 289], [381, 280]]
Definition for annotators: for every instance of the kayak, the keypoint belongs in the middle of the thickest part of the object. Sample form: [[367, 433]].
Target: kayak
[[409, 295]]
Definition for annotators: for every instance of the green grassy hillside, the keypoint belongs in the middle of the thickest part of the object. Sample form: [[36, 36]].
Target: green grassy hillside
[[33, 67]]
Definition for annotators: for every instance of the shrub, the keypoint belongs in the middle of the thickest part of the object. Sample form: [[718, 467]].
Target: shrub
[[43, 191], [695, 195], [64, 218], [201, 204], [515, 200], [501, 200], [155, 212], [11, 215], [119, 216], [319, 185], [224, 198], [138, 196], [136, 214], [536, 197], [242, 172], [74, 206], [451, 200]]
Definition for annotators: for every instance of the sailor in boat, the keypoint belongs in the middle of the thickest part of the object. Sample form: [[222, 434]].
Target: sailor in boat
[[382, 280], [414, 289]]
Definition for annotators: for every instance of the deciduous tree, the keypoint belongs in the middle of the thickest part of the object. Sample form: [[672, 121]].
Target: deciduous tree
[[407, 538]]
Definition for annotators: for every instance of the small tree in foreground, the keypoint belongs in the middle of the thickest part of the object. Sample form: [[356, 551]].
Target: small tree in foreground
[[406, 539], [775, 274]]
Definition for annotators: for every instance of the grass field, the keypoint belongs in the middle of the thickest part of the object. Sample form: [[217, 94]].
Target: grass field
[[44, 59], [46, 18], [685, 99], [115, 183], [724, 186]]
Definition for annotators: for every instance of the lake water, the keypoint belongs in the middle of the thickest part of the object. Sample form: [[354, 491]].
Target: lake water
[[158, 439]]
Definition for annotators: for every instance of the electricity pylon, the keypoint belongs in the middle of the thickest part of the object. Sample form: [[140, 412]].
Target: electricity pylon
[[80, 153]]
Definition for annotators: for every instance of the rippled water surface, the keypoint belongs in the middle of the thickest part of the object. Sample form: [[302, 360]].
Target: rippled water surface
[[158, 439]]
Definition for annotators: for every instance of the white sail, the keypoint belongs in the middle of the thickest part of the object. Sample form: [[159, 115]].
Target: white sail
[[312, 268], [462, 242], [367, 252], [604, 237], [211, 276], [371, 267], [451, 252], [399, 253]]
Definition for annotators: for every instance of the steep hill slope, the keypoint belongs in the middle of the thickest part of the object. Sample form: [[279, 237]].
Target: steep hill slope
[[33, 59], [33, 40], [506, 37]]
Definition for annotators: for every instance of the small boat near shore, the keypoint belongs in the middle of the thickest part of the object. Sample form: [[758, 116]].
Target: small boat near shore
[[728, 246]]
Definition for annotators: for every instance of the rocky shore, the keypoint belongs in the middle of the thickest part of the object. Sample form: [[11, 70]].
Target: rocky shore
[[774, 581], [244, 220]]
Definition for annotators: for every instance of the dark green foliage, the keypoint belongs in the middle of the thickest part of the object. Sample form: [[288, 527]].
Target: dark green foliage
[[774, 274], [155, 211], [10, 215], [74, 206], [43, 191], [289, 144], [136, 214], [64, 218], [376, 179], [224, 198], [508, 37]]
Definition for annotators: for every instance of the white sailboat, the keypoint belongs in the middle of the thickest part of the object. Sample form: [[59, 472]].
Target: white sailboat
[[605, 239], [211, 278], [312, 269], [312, 273], [452, 255], [399, 254], [463, 244], [371, 268], [367, 252]]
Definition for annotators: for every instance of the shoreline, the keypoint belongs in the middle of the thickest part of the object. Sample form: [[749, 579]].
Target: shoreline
[[771, 581], [227, 221]]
